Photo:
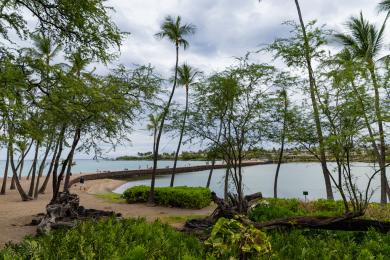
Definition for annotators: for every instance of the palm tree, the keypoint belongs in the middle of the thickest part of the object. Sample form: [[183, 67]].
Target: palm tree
[[45, 50], [174, 31], [364, 42], [154, 121], [186, 76]]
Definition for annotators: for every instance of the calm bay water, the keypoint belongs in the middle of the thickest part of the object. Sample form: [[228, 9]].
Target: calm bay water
[[294, 178]]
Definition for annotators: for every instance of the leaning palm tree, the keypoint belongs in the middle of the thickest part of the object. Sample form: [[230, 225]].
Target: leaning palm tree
[[365, 42], [186, 76], [174, 31]]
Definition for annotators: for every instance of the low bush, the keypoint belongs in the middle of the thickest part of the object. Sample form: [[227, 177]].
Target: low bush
[[180, 197], [109, 239]]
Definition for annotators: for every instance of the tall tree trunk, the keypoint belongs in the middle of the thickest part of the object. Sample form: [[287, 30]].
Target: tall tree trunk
[[76, 139], [41, 168], [30, 171], [69, 169], [370, 132], [213, 162], [164, 114], [382, 144], [34, 170], [21, 168], [46, 181], [180, 139], [278, 166], [5, 177], [312, 83], [283, 137], [12, 187], [57, 160], [226, 186]]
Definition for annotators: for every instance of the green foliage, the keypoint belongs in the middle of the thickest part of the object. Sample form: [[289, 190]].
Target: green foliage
[[229, 238], [311, 244], [181, 196], [266, 211], [109, 239], [269, 209]]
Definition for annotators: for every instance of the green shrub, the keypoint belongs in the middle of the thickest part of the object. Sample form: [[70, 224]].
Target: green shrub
[[325, 207], [229, 239], [109, 239], [180, 197], [318, 244]]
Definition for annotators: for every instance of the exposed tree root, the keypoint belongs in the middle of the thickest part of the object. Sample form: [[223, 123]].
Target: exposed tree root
[[65, 211]]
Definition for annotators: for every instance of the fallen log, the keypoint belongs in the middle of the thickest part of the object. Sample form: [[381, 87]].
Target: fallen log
[[346, 222], [342, 223]]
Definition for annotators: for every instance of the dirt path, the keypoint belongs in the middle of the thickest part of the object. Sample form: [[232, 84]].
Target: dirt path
[[15, 214]]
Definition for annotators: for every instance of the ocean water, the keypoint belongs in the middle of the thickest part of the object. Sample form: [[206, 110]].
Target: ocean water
[[91, 166]]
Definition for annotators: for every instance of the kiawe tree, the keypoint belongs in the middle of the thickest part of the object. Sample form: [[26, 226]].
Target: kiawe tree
[[175, 32]]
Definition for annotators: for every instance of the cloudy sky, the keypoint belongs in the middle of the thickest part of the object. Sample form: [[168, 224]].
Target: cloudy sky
[[225, 29]]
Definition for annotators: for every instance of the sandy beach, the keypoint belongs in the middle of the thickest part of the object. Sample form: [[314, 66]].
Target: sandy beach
[[15, 215]]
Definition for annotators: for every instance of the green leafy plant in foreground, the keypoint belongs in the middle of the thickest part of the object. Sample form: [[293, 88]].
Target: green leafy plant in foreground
[[229, 239], [180, 196], [109, 239]]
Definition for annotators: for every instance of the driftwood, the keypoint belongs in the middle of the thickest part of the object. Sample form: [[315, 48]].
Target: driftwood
[[66, 211], [227, 209]]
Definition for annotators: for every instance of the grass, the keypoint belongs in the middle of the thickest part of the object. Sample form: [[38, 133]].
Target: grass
[[111, 197], [174, 219]]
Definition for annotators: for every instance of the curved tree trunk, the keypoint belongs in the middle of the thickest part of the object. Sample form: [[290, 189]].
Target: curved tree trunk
[[180, 139], [312, 83], [5, 177], [44, 185], [283, 137], [18, 186], [164, 114], [76, 139]]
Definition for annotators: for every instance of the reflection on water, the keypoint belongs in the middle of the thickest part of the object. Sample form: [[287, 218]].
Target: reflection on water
[[294, 178]]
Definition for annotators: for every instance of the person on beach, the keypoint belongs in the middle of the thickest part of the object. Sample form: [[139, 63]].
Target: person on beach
[[82, 180]]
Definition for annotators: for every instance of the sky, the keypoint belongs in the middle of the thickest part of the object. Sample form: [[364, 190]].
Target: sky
[[225, 29]]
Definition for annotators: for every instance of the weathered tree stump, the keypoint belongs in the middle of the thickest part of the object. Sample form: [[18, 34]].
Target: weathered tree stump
[[66, 211]]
